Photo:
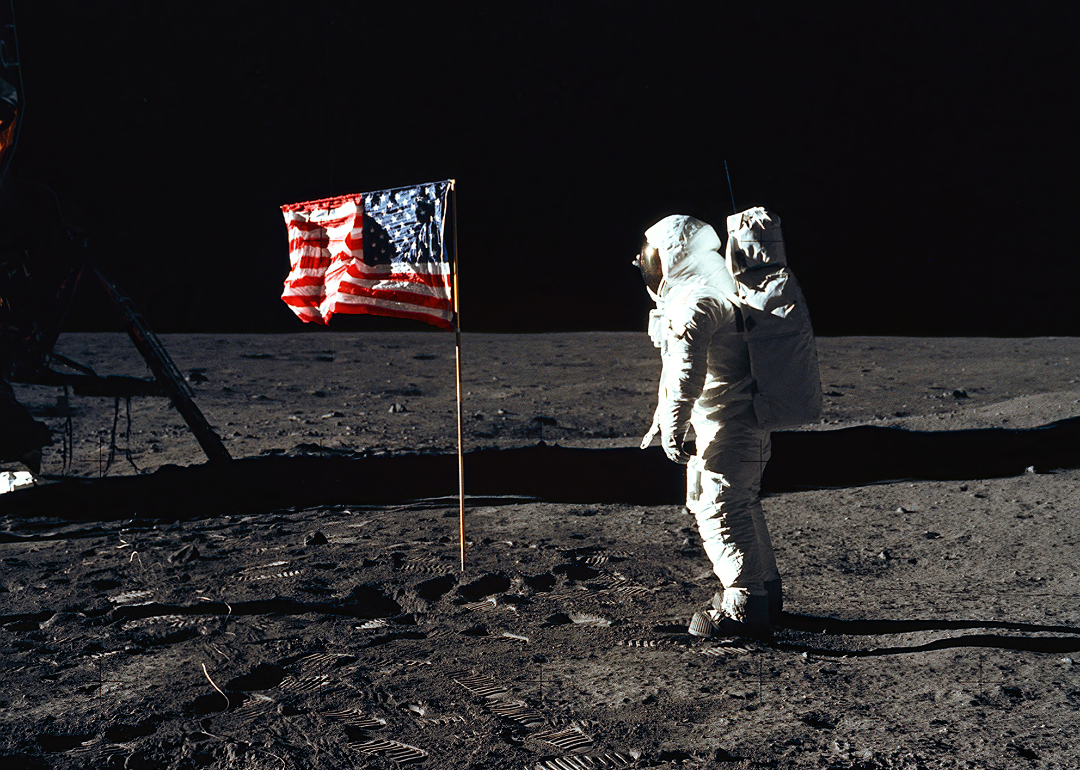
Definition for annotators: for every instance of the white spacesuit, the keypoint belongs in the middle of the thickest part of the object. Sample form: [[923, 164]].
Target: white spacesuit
[[706, 384]]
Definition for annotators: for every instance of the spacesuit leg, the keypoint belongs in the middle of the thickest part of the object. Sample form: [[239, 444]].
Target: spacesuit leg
[[773, 585], [732, 526]]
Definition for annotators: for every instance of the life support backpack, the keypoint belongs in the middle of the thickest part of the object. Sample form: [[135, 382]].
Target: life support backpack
[[775, 323]]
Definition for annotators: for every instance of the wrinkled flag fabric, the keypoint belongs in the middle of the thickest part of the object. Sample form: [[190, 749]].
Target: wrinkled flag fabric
[[381, 253]]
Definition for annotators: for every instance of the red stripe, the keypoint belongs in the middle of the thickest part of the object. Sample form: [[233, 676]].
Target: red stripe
[[442, 323], [312, 263], [308, 311], [305, 281], [315, 241], [393, 295]]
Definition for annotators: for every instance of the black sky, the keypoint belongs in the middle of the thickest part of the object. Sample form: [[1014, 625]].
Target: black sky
[[922, 157]]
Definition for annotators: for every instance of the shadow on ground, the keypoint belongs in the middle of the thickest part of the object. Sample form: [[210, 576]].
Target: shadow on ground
[[808, 633], [801, 460]]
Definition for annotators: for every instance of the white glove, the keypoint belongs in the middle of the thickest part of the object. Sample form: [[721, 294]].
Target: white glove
[[651, 434], [673, 448]]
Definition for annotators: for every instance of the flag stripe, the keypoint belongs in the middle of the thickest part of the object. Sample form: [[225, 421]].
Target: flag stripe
[[437, 281], [312, 262], [323, 203], [320, 241], [305, 226], [373, 309], [404, 297], [306, 277], [312, 288]]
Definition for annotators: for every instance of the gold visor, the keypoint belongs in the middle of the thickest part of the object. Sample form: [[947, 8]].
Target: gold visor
[[648, 261]]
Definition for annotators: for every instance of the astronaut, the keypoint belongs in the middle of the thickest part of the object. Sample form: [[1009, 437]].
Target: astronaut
[[706, 385]]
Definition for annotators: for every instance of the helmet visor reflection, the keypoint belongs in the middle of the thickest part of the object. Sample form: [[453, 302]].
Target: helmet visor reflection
[[648, 261]]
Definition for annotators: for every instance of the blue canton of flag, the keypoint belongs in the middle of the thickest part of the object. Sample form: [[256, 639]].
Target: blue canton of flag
[[405, 225]]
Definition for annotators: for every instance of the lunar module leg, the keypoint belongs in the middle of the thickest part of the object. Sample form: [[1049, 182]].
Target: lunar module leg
[[166, 373]]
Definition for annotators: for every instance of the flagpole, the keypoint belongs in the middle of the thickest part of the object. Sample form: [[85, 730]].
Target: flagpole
[[457, 369]]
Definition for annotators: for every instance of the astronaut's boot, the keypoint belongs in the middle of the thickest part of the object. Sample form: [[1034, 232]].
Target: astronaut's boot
[[734, 613], [704, 623], [745, 615], [718, 599], [775, 590]]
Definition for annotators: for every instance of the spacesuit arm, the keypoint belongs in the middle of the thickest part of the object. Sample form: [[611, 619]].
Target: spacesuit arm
[[689, 332], [657, 326]]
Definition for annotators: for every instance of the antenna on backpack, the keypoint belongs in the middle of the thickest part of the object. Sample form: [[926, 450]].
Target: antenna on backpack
[[733, 209]]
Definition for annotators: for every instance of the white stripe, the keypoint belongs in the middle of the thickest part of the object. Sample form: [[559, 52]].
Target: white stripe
[[304, 291], [424, 268], [397, 285], [382, 303], [323, 214]]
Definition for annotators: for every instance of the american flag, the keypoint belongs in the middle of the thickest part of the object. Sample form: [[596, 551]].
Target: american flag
[[377, 252]]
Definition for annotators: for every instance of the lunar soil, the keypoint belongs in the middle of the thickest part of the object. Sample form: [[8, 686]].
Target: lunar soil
[[928, 624]]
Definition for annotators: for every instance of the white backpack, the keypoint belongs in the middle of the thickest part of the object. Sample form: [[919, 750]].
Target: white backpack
[[776, 324]]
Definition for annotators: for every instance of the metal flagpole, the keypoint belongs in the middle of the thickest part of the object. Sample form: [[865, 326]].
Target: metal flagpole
[[457, 368]]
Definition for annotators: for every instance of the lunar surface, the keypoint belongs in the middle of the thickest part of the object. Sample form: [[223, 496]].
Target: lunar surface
[[928, 623]]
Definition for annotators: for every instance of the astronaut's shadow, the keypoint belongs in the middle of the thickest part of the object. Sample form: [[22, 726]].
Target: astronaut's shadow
[[826, 636]]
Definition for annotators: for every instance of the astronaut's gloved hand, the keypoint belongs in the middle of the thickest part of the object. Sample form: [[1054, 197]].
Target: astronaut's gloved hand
[[674, 450], [650, 435]]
